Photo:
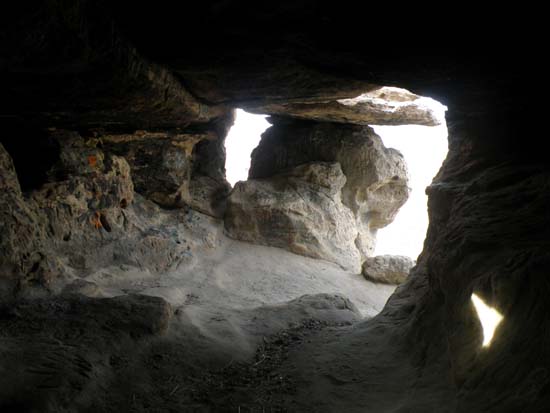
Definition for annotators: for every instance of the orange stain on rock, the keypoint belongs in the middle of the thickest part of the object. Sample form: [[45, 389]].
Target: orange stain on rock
[[96, 220], [92, 160]]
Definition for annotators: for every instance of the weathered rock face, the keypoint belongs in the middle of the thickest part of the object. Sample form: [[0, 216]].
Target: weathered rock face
[[161, 164], [381, 106], [300, 210], [66, 340], [90, 200], [376, 176], [389, 269], [170, 168], [87, 220], [21, 231]]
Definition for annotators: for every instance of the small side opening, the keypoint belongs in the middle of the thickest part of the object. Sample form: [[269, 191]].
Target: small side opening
[[34, 153], [241, 140]]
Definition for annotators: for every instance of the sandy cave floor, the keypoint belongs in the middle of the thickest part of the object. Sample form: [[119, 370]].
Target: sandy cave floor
[[241, 315], [241, 275]]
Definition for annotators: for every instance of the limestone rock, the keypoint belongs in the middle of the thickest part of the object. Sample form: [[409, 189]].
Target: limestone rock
[[8, 176], [161, 164], [389, 269], [381, 106], [175, 169], [208, 195], [51, 229], [208, 187], [300, 210], [376, 176]]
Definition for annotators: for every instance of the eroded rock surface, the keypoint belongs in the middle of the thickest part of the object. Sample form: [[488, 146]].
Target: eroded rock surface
[[376, 176], [175, 169], [389, 269], [300, 210], [381, 106], [86, 218]]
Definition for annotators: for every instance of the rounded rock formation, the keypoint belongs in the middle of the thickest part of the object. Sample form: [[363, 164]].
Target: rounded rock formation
[[389, 269]]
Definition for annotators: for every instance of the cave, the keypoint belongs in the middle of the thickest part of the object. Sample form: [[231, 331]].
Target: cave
[[135, 278]]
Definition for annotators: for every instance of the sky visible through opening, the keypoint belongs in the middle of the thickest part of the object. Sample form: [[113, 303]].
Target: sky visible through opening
[[424, 149], [242, 138], [489, 318]]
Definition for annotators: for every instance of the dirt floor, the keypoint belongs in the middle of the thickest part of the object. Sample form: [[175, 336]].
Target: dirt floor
[[218, 333]]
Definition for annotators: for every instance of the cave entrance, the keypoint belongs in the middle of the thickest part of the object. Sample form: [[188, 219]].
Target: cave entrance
[[242, 138], [424, 149]]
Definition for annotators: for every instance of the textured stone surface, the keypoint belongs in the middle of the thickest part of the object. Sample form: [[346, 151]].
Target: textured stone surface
[[71, 346], [300, 210], [161, 164], [208, 195], [169, 168], [376, 176], [381, 106], [390, 269], [22, 230], [70, 228]]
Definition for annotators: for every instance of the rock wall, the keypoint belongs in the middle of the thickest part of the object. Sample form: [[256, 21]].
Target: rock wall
[[175, 169], [87, 217]]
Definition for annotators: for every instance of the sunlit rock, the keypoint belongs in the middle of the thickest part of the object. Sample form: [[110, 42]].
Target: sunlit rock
[[376, 176], [299, 209], [389, 269]]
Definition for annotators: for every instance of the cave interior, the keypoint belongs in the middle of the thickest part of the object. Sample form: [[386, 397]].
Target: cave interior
[[134, 278]]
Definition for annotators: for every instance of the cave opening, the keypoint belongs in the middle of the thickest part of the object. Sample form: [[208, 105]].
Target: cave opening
[[33, 167], [488, 317], [424, 148], [241, 140]]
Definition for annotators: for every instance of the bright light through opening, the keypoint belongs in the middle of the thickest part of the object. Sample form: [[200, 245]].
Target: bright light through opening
[[489, 318], [424, 149], [243, 137]]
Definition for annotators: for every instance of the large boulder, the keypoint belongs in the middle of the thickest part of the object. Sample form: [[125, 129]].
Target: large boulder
[[300, 210], [388, 269], [376, 176]]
